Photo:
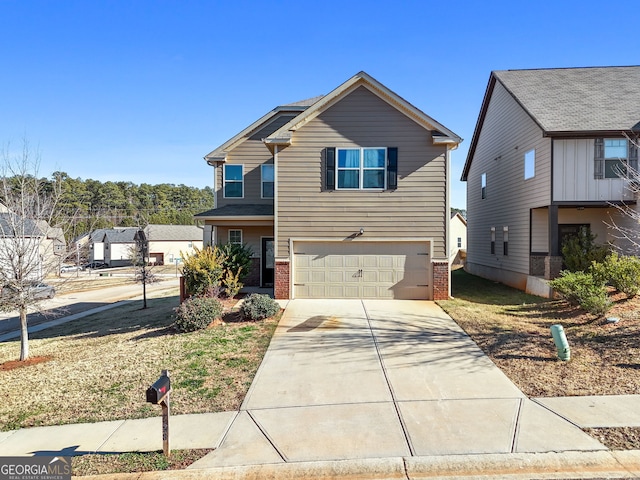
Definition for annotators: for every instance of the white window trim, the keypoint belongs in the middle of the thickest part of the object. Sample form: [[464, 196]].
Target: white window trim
[[532, 159], [235, 230], [361, 169], [262, 180], [622, 160], [224, 179]]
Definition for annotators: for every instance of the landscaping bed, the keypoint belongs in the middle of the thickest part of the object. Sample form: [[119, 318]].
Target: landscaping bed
[[513, 329]]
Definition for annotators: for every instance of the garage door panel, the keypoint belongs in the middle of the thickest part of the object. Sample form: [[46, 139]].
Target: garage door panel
[[361, 270]]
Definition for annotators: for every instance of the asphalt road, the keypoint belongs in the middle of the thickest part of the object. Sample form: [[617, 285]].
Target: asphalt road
[[69, 304]]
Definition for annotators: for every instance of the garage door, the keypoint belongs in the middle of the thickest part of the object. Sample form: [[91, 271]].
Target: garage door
[[362, 270]]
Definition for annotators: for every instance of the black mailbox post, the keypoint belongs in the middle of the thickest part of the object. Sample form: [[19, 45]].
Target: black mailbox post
[[158, 393]]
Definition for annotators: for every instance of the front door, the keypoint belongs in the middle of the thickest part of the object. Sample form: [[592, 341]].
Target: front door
[[267, 262]]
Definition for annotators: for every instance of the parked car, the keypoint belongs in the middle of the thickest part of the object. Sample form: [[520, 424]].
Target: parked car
[[70, 268], [96, 265], [37, 291]]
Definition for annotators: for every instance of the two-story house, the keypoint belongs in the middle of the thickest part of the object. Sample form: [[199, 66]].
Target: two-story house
[[548, 156], [341, 196]]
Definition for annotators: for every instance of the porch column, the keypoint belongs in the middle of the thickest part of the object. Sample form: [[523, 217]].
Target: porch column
[[553, 261]]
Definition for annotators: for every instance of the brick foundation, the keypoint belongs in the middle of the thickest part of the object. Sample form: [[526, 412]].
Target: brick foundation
[[281, 287], [440, 280], [253, 277], [552, 267], [536, 265]]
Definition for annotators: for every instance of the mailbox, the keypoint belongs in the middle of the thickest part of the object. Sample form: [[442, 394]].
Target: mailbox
[[159, 390]]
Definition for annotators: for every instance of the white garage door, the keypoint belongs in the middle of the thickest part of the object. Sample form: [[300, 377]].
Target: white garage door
[[362, 270]]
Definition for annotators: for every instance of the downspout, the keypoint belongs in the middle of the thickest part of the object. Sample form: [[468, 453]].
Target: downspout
[[447, 216]]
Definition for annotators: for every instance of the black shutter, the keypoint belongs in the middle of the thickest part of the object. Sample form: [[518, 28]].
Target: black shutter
[[330, 168], [392, 168], [633, 155], [598, 159]]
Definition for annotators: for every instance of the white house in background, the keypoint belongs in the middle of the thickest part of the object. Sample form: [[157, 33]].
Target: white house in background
[[167, 243], [457, 239]]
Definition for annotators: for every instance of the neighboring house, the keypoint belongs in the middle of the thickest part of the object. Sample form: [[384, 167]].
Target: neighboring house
[[545, 159], [167, 243], [340, 196], [457, 239]]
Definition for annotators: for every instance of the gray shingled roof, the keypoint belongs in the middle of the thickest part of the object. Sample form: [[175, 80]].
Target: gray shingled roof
[[578, 99], [121, 235], [239, 210], [173, 233]]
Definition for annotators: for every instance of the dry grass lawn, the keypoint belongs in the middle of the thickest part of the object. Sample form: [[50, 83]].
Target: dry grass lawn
[[513, 328], [99, 367]]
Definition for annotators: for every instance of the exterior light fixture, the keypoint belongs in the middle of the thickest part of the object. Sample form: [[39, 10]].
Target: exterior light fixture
[[361, 230]]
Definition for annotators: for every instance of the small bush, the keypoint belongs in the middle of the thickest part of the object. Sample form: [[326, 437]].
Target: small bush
[[258, 307], [582, 289], [236, 259], [232, 283], [202, 270], [196, 313], [581, 250], [623, 273]]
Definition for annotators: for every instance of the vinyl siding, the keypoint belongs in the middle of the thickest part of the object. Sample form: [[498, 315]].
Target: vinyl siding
[[251, 236], [361, 119], [506, 134], [573, 174]]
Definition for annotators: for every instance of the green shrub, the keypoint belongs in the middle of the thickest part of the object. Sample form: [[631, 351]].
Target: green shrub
[[196, 313], [581, 250], [232, 283], [582, 289], [203, 270], [621, 272], [236, 259], [258, 307]]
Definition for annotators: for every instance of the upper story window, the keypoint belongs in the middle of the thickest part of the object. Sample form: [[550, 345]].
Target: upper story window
[[233, 181], [483, 185], [361, 168], [613, 157], [459, 242], [267, 180], [530, 164]]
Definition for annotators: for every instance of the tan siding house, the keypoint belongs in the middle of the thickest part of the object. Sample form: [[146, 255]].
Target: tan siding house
[[359, 203], [535, 172]]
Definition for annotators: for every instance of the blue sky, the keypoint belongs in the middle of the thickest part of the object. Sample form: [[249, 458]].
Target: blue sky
[[141, 90]]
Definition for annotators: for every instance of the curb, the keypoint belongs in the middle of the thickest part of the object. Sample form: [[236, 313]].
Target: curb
[[563, 465]]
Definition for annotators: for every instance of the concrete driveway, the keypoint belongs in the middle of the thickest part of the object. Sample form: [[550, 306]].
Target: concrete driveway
[[348, 379]]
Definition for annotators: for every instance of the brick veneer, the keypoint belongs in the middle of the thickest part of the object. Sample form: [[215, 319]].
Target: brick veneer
[[440, 280], [253, 277], [281, 287]]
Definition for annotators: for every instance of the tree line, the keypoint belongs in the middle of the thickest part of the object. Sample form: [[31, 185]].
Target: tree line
[[85, 205]]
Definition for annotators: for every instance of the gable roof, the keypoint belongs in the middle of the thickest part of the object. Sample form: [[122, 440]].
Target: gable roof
[[293, 109], [173, 233], [588, 101], [282, 136]]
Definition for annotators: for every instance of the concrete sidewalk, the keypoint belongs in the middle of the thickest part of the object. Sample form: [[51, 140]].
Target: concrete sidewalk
[[367, 385]]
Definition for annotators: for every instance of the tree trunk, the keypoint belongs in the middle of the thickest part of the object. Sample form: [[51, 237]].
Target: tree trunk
[[24, 334]]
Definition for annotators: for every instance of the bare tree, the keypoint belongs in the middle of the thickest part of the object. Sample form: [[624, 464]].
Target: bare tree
[[30, 247], [626, 225]]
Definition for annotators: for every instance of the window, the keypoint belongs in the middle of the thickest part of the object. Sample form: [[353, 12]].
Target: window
[[459, 242], [267, 181], [235, 236], [233, 181], [505, 240], [493, 240], [361, 168], [483, 185], [615, 157], [530, 164]]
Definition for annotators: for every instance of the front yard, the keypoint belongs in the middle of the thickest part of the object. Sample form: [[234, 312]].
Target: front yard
[[513, 328], [98, 368]]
